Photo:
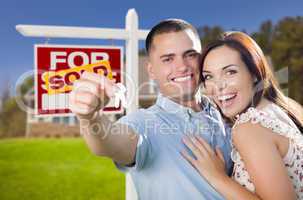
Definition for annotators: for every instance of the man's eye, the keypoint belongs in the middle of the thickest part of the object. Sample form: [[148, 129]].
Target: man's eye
[[166, 60], [192, 55]]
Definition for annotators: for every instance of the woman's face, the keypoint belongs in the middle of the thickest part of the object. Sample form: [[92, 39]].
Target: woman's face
[[227, 80]]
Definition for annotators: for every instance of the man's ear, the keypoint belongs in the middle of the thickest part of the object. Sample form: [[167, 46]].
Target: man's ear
[[150, 70]]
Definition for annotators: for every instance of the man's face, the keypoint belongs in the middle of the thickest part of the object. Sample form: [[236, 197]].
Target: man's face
[[174, 63]]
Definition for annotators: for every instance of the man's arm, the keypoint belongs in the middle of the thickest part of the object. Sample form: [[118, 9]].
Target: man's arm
[[103, 137], [113, 140]]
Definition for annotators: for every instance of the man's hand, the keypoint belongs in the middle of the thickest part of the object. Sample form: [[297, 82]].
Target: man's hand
[[90, 94], [116, 141]]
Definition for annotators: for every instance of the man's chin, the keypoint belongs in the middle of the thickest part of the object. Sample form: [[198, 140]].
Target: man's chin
[[182, 97]]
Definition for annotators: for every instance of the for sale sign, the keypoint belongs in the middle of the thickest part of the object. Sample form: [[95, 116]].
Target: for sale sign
[[58, 66]]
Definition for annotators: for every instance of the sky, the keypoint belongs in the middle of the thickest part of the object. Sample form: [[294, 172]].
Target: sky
[[17, 53]]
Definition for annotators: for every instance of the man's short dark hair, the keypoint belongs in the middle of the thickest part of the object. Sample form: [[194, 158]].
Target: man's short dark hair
[[167, 26]]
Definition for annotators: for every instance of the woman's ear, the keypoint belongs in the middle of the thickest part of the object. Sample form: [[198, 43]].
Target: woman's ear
[[255, 80]]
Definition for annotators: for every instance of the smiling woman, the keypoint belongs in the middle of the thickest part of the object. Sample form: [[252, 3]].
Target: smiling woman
[[267, 135], [228, 80]]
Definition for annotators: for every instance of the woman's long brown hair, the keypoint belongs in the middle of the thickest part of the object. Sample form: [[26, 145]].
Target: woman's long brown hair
[[266, 85]]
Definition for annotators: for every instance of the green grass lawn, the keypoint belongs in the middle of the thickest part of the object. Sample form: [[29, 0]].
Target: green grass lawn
[[56, 169]]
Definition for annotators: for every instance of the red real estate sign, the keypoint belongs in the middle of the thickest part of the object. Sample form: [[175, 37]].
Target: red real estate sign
[[58, 66]]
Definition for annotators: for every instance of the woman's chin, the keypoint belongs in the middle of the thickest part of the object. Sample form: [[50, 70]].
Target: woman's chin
[[229, 113]]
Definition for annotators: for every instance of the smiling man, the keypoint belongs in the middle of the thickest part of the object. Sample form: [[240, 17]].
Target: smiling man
[[148, 142], [174, 65]]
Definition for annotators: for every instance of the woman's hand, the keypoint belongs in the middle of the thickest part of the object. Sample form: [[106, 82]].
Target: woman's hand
[[208, 163]]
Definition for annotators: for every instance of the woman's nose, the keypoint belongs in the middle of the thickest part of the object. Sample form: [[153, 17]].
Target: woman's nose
[[221, 84]]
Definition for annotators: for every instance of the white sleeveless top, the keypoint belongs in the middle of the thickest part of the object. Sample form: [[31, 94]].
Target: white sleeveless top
[[275, 119]]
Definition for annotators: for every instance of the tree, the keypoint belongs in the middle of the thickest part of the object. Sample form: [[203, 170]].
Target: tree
[[264, 36], [208, 34], [287, 51], [12, 117], [5, 94]]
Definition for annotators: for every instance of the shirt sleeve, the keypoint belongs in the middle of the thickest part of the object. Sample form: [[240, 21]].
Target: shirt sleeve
[[136, 121]]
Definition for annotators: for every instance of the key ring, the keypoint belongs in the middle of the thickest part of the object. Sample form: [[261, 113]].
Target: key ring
[[119, 95]]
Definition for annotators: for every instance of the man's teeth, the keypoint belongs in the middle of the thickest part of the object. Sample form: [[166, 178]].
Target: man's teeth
[[181, 79], [226, 97]]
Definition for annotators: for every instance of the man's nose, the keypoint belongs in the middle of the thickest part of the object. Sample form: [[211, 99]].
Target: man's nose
[[181, 64]]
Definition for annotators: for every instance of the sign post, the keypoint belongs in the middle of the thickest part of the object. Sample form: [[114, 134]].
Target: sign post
[[131, 34]]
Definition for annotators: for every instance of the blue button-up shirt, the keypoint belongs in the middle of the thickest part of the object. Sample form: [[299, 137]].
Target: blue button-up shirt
[[160, 171]]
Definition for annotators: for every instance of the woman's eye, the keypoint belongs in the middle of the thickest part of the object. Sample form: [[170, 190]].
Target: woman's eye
[[207, 77], [230, 72]]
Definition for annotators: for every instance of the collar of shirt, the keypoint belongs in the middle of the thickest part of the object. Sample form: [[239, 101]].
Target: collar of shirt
[[184, 112]]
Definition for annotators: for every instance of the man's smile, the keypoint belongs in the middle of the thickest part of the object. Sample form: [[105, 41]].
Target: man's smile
[[183, 78]]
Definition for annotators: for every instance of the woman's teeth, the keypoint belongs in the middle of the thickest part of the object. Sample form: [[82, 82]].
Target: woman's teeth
[[226, 100], [226, 97]]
